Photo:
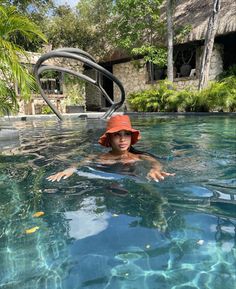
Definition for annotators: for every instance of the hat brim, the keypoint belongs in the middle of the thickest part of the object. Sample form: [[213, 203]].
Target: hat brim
[[104, 140]]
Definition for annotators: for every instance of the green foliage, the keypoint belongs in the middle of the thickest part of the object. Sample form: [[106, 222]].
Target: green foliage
[[230, 84], [61, 28], [182, 100], [11, 70], [218, 96], [37, 11], [181, 32], [46, 109], [136, 22], [229, 72], [29, 6], [155, 55], [151, 100], [137, 28], [8, 101], [85, 27], [74, 91]]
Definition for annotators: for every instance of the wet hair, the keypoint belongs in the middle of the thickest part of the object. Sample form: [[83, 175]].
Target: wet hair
[[138, 152]]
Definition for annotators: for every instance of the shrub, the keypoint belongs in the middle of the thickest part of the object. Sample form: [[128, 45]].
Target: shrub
[[46, 109], [183, 100], [230, 83], [151, 100], [218, 96], [229, 72]]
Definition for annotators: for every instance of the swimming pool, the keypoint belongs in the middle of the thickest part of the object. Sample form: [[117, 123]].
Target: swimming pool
[[112, 228]]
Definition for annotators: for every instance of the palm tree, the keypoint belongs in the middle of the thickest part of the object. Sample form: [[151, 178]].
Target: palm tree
[[12, 72]]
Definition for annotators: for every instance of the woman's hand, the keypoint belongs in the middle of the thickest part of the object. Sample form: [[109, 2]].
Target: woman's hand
[[156, 175], [64, 175]]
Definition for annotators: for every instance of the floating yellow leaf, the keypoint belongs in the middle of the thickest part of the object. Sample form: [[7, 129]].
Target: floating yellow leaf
[[38, 214], [31, 230], [200, 242]]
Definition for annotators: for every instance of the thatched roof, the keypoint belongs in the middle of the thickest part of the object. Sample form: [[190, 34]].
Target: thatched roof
[[197, 12]]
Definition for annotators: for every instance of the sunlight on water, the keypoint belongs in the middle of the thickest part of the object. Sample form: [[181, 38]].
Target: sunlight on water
[[109, 227]]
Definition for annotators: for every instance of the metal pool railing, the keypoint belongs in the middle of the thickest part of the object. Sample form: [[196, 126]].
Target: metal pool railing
[[84, 57]]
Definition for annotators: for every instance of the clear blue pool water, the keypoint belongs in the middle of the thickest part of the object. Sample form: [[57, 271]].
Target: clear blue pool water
[[112, 228]]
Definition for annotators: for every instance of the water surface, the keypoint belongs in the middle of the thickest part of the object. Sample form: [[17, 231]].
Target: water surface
[[111, 227]]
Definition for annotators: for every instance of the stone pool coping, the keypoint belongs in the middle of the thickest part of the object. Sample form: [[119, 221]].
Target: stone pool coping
[[98, 115]]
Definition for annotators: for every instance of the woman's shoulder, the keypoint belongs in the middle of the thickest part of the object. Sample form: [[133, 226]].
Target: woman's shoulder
[[106, 158]]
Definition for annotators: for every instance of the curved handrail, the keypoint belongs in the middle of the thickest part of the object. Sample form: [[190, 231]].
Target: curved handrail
[[84, 57]]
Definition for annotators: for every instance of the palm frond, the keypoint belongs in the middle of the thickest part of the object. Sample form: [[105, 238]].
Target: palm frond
[[12, 71]]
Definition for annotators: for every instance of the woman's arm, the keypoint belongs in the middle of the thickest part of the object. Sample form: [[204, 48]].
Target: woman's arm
[[155, 172], [70, 171], [62, 175]]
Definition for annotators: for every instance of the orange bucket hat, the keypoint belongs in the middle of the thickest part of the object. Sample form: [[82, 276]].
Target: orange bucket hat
[[117, 123]]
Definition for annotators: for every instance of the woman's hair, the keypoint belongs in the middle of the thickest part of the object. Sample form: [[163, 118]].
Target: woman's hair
[[138, 152]]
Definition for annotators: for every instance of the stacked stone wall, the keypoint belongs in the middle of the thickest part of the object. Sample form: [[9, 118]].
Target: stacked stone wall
[[36, 104], [134, 77], [216, 65], [94, 99]]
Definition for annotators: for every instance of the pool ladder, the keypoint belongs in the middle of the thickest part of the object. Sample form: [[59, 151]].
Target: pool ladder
[[88, 60]]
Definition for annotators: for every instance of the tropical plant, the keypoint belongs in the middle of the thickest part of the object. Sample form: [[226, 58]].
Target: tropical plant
[[12, 72], [152, 54], [7, 99], [181, 101], [231, 71], [37, 11], [74, 89], [230, 84], [153, 100], [218, 96]]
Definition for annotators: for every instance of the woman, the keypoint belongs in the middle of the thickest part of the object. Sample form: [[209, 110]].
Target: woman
[[120, 136]]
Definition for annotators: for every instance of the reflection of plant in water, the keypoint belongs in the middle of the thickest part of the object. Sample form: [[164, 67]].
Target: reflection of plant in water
[[175, 221], [22, 196], [223, 232], [145, 203], [12, 171]]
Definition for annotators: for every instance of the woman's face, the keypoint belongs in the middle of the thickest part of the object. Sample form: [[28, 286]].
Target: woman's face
[[120, 141]]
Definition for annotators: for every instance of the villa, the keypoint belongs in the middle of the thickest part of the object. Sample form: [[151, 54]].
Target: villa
[[135, 73]]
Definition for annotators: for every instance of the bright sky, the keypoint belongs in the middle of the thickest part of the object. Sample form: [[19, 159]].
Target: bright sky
[[72, 3]]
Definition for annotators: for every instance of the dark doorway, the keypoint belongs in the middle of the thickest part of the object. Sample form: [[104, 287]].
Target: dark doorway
[[229, 55], [107, 85]]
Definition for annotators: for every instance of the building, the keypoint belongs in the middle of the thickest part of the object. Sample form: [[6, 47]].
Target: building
[[62, 90], [134, 73]]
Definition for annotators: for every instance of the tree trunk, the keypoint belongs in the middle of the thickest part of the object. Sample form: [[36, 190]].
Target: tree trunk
[[208, 45], [170, 67]]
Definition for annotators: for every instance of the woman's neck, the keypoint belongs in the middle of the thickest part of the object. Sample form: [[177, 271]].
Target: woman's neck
[[119, 153]]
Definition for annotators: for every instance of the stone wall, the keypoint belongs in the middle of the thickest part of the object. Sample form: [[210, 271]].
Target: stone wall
[[94, 99], [133, 74], [216, 66], [186, 82], [37, 105]]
